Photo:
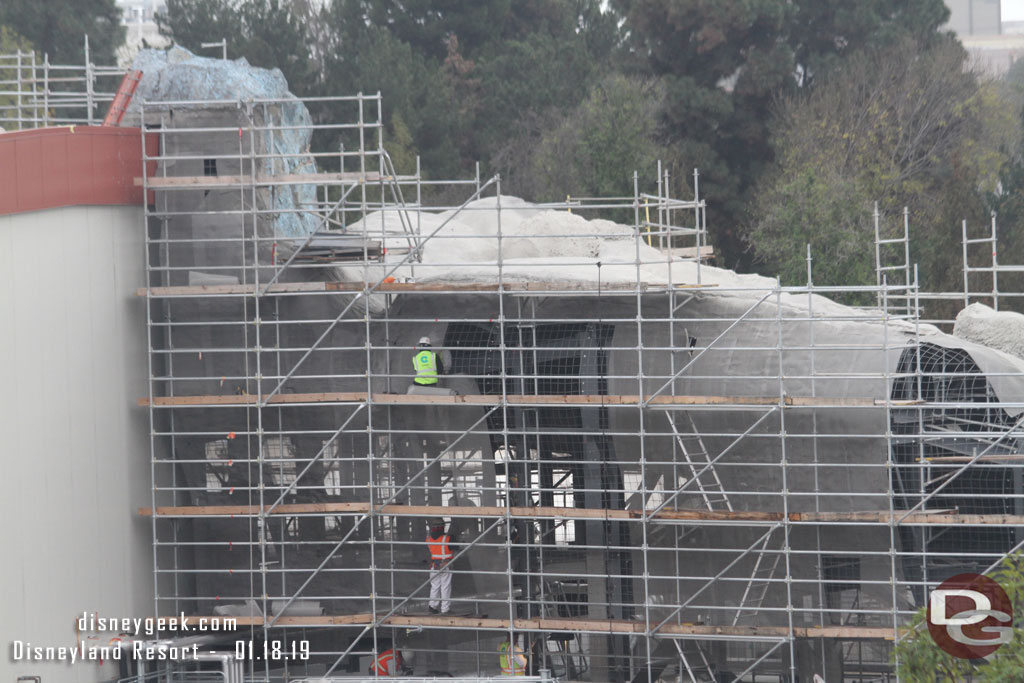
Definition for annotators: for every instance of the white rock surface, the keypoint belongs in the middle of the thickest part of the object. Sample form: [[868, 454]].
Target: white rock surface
[[543, 245], [1003, 330]]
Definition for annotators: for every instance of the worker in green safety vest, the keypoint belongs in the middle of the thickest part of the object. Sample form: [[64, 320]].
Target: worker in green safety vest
[[427, 364], [511, 658]]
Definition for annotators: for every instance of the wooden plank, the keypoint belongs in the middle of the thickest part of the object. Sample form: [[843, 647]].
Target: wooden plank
[[847, 632], [853, 517], [222, 290], [706, 251], [203, 181], [511, 399], [252, 399], [231, 510], [388, 287], [437, 511], [914, 519], [954, 459], [566, 625]]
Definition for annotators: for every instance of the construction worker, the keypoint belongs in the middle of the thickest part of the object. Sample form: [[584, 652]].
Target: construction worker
[[387, 663], [514, 665], [427, 364], [441, 553]]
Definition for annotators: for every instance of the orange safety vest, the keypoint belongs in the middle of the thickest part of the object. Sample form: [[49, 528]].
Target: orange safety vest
[[382, 665], [439, 549]]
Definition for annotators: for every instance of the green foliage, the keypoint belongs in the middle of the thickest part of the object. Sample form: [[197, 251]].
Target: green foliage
[[11, 41], [726, 61], [399, 146], [1014, 79], [902, 126], [919, 659], [535, 74], [458, 73], [593, 149], [822, 207], [426, 24], [1007, 199], [412, 88], [58, 29], [192, 22], [828, 30], [482, 26]]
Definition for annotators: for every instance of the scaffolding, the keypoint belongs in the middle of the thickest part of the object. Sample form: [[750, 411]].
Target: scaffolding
[[667, 478], [35, 93], [650, 470]]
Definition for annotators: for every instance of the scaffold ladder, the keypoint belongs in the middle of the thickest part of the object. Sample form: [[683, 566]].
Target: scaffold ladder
[[568, 648], [122, 98], [697, 459], [893, 272], [412, 238], [760, 579], [699, 670]]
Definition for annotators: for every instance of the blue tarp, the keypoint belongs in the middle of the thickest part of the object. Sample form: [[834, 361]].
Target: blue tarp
[[179, 75]]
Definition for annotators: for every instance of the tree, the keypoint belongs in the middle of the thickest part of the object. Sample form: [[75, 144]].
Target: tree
[[11, 41], [920, 660], [592, 149], [482, 25], [537, 73], [460, 74], [192, 22], [425, 24], [1007, 201], [725, 61], [58, 29], [828, 30], [500, 61], [412, 87], [819, 205], [545, 62], [903, 126]]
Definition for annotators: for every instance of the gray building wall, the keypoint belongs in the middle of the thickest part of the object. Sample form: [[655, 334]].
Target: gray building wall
[[975, 17], [75, 446]]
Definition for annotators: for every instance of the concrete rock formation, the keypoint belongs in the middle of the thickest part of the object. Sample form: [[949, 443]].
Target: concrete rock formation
[[1002, 330], [191, 82]]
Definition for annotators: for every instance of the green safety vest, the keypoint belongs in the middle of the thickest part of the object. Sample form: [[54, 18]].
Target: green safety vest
[[517, 665], [425, 363]]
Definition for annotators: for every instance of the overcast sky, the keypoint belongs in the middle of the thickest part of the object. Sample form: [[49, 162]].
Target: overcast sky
[[1013, 10]]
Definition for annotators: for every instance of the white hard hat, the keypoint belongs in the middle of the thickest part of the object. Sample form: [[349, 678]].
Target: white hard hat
[[424, 341]]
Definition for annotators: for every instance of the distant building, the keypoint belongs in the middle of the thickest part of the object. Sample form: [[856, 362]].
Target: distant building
[[139, 19], [975, 17], [140, 11], [993, 45], [994, 55]]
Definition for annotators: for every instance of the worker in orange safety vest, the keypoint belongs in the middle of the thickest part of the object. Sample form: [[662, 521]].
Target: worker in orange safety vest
[[387, 663], [441, 553]]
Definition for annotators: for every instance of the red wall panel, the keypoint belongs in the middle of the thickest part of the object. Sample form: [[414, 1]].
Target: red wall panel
[[50, 167]]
